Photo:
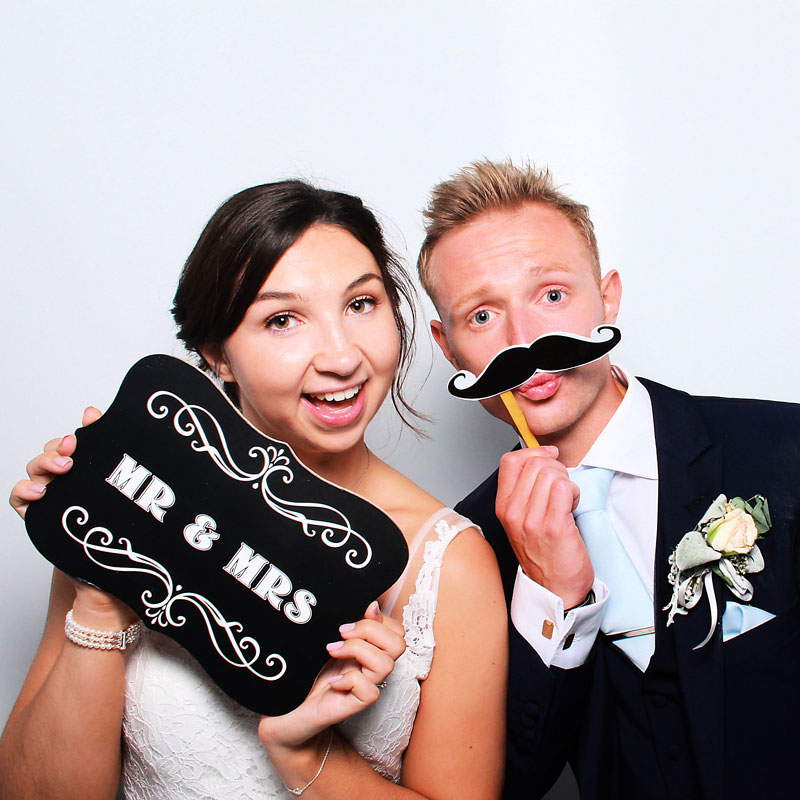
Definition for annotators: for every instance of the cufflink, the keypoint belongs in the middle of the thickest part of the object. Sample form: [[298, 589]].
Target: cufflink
[[548, 626]]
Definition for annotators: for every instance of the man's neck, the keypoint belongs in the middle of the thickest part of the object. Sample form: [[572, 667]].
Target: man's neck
[[574, 443]]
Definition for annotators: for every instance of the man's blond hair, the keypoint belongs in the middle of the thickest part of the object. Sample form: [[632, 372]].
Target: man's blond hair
[[491, 186]]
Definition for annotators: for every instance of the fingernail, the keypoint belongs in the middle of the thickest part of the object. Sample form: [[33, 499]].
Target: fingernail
[[38, 487], [334, 645], [348, 626], [63, 441], [373, 607], [62, 461], [335, 678]]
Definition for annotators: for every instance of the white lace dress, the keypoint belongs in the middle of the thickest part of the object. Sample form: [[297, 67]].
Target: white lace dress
[[184, 739]]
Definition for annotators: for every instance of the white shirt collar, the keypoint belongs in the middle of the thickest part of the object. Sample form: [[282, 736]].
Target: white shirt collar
[[628, 443]]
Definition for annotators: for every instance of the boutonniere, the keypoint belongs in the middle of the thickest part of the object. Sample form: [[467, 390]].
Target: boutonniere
[[723, 543]]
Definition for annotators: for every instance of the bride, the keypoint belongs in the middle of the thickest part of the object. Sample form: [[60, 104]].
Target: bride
[[292, 299]]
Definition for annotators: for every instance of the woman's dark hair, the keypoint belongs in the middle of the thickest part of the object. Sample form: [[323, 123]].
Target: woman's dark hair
[[243, 241]]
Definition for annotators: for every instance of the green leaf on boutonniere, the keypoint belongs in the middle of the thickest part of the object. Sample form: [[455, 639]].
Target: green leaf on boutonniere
[[758, 508]]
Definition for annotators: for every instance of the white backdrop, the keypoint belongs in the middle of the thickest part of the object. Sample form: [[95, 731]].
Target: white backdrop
[[127, 123]]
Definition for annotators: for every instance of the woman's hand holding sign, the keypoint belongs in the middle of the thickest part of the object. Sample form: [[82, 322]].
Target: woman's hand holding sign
[[346, 685], [55, 460], [92, 607]]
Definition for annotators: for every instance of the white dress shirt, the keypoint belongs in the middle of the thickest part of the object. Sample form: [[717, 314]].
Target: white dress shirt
[[626, 445]]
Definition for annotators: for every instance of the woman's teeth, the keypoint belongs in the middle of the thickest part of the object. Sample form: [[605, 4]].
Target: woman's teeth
[[344, 394]]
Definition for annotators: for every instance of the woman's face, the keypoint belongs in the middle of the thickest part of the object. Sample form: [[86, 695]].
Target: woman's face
[[316, 352]]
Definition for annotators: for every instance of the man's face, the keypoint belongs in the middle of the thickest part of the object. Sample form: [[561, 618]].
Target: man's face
[[506, 278]]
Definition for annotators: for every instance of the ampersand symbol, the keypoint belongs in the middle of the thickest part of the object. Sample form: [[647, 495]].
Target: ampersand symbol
[[201, 534]]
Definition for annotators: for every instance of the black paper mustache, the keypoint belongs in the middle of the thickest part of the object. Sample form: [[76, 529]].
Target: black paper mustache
[[552, 352]]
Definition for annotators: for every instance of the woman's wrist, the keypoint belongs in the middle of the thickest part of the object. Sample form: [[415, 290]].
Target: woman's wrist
[[106, 614], [101, 639], [301, 765]]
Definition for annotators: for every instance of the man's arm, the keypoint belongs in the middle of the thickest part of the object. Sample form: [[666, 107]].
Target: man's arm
[[545, 703], [545, 712], [534, 504]]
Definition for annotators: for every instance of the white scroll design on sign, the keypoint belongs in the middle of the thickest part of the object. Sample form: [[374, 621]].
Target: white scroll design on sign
[[272, 462], [121, 555]]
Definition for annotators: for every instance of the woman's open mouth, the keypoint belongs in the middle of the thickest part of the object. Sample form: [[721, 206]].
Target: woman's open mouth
[[338, 407]]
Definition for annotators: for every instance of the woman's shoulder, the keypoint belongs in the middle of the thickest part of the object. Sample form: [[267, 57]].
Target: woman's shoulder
[[408, 504], [418, 514]]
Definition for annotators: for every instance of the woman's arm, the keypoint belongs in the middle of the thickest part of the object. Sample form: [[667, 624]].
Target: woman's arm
[[457, 745], [62, 738]]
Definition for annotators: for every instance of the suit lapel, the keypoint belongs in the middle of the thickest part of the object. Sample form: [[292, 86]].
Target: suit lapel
[[690, 476]]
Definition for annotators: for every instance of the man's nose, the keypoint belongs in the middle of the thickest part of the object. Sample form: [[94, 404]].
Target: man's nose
[[522, 328]]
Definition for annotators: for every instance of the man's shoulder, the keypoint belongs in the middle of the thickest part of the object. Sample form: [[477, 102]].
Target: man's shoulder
[[478, 505], [723, 412], [757, 427]]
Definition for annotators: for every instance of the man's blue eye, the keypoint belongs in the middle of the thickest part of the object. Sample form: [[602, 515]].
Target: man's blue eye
[[482, 317], [554, 296]]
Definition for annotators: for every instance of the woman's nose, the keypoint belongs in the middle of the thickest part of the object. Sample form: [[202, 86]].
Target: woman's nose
[[337, 354]]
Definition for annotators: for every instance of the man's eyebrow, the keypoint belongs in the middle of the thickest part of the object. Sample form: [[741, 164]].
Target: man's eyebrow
[[481, 291]]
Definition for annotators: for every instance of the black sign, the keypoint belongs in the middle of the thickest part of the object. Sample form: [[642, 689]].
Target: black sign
[[216, 535]]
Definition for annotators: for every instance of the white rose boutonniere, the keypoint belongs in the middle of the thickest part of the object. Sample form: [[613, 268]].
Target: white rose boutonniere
[[723, 543]]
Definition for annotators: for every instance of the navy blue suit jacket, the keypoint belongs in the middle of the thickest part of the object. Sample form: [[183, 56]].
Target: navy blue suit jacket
[[718, 722]]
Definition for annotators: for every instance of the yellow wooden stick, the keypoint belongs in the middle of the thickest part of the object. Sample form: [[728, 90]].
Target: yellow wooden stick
[[518, 417]]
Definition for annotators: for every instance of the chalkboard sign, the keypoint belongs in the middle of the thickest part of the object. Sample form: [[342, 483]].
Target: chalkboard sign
[[215, 534]]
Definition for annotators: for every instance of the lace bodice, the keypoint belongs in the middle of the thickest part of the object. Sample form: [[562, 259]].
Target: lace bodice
[[185, 739]]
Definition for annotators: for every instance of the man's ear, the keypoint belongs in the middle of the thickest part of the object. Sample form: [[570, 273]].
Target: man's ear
[[439, 335], [214, 356], [611, 292]]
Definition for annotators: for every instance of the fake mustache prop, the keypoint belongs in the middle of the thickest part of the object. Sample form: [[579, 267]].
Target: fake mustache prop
[[552, 352], [511, 367]]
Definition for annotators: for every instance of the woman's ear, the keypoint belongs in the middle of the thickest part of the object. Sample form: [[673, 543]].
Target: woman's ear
[[214, 356]]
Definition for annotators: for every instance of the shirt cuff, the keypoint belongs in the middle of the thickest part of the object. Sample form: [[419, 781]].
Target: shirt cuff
[[538, 615]]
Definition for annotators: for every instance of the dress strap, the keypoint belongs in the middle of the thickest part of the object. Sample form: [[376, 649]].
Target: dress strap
[[413, 547], [419, 612]]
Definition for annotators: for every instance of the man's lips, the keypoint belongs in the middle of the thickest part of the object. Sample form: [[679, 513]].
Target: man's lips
[[540, 387]]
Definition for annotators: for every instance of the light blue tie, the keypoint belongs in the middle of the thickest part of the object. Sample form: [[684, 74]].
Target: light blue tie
[[628, 618]]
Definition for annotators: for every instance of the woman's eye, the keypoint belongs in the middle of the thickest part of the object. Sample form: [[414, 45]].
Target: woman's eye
[[481, 317], [281, 322], [362, 304], [554, 296]]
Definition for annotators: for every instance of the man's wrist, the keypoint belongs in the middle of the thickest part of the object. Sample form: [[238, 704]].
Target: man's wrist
[[587, 601]]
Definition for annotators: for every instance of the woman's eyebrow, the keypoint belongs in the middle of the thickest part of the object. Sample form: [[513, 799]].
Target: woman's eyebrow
[[277, 296], [365, 278]]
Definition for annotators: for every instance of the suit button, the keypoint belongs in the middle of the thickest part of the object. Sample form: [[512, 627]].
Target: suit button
[[530, 709], [674, 752], [528, 721], [658, 700]]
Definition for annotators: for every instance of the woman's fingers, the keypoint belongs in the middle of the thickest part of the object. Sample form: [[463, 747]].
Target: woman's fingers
[[90, 415], [54, 460], [24, 493], [373, 643], [387, 635], [44, 467], [357, 684]]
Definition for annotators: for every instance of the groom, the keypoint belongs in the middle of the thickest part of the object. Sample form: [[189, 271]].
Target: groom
[[641, 713]]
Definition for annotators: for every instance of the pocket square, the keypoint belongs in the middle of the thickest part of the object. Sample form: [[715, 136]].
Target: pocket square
[[739, 619]]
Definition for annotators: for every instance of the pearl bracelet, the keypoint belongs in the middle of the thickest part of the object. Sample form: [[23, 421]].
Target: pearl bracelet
[[101, 640]]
